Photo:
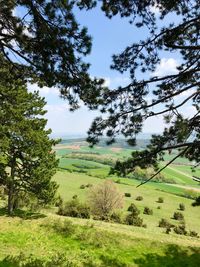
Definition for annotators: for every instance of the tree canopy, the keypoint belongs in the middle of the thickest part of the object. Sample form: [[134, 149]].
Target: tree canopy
[[128, 107], [27, 162], [50, 45]]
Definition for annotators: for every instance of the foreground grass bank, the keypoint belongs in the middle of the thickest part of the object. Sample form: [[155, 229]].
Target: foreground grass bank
[[55, 241]]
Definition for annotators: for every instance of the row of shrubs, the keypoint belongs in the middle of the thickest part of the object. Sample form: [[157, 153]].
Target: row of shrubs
[[179, 229], [140, 198]]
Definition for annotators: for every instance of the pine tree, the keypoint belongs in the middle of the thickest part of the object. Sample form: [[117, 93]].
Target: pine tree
[[27, 162]]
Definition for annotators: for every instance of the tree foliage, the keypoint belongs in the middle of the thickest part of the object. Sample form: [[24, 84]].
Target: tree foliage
[[43, 40], [128, 107], [50, 45], [27, 161]]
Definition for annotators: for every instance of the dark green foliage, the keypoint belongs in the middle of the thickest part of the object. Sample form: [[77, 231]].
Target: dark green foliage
[[50, 46], [168, 230], [180, 229], [133, 209], [159, 207], [116, 217], [193, 234], [139, 198], [127, 107], [148, 211], [160, 200], [58, 201], [181, 206], [178, 216], [25, 145], [82, 186], [74, 208], [196, 202], [131, 219], [164, 223], [127, 194]]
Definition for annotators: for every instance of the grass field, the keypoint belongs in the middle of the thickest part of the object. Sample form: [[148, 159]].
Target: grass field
[[46, 239]]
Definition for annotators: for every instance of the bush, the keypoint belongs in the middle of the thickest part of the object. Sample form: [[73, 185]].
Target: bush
[[164, 223], [159, 207], [82, 186], [74, 208], [127, 194], [88, 185], [148, 211], [197, 202], [181, 206], [193, 234], [104, 199], [133, 209], [139, 198], [58, 201], [160, 200], [133, 220], [116, 217], [65, 227], [180, 229], [178, 216], [144, 225]]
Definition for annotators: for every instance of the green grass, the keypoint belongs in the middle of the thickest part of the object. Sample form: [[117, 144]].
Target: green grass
[[70, 185], [91, 244]]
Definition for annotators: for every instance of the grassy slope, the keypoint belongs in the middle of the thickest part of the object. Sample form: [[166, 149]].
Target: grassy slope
[[96, 244], [70, 185]]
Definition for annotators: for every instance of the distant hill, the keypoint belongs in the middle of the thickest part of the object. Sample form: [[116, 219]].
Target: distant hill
[[120, 143]]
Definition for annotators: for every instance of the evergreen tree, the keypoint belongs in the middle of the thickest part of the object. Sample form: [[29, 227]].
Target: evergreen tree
[[27, 162], [43, 40], [128, 107]]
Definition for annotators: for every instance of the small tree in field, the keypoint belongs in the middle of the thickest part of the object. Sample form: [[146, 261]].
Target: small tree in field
[[27, 162], [104, 199]]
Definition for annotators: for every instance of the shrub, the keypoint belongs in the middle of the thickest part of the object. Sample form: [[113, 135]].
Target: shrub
[[133, 220], [159, 207], [181, 206], [178, 216], [74, 208], [133, 209], [168, 230], [75, 196], [116, 217], [148, 211], [65, 227], [164, 223], [127, 194], [88, 185], [197, 202], [160, 200], [144, 225], [193, 234], [58, 201], [104, 199], [82, 186], [180, 229], [118, 181], [139, 198]]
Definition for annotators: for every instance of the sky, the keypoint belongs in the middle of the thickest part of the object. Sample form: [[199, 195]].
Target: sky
[[109, 37]]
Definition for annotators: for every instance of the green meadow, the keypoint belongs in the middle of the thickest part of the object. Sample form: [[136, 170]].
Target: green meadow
[[44, 238]]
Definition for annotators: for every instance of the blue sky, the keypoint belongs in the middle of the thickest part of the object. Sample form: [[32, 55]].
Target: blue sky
[[109, 37]]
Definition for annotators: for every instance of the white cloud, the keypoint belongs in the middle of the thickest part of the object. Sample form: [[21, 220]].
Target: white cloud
[[167, 66], [107, 82], [155, 10], [44, 91]]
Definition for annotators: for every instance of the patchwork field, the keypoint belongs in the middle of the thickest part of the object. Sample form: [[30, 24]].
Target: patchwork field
[[55, 240]]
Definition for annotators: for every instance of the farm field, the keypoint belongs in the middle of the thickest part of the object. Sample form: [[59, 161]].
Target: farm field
[[46, 239]]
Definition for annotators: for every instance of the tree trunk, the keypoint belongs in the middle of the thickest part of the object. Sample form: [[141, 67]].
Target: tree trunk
[[11, 187], [10, 199]]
